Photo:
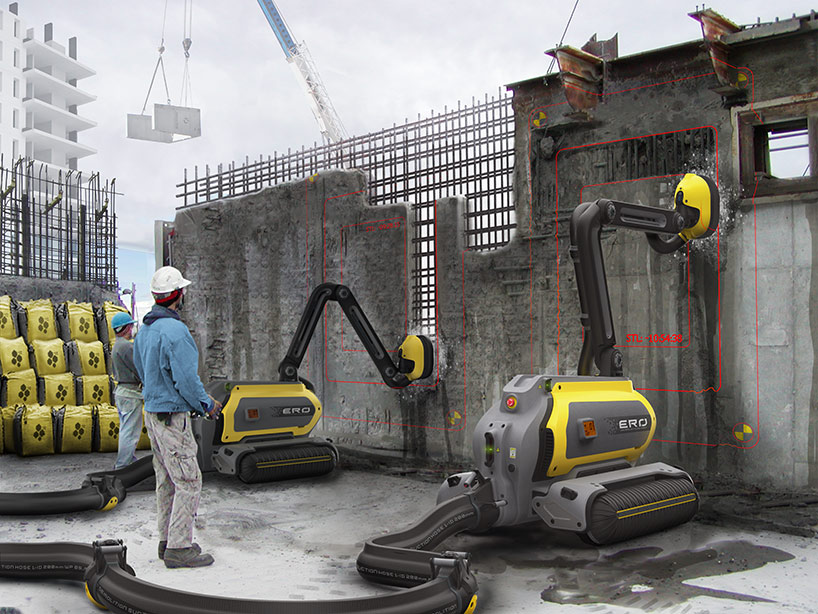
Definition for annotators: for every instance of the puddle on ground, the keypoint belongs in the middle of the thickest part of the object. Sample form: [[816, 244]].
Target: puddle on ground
[[647, 579], [650, 579]]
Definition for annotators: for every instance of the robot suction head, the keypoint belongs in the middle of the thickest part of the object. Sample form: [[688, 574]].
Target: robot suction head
[[416, 357], [697, 200]]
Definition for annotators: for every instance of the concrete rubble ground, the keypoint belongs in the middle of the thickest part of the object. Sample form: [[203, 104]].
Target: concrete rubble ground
[[745, 552]]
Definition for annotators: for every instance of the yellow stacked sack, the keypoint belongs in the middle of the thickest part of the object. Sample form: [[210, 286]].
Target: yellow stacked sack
[[87, 358], [93, 389], [8, 427], [105, 313], [77, 321], [144, 442], [74, 429], [57, 389], [13, 355], [33, 430], [38, 320], [8, 318], [49, 356], [19, 388], [19, 382], [107, 428]]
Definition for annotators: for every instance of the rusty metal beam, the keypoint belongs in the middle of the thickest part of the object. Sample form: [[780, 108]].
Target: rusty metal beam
[[582, 75], [715, 28]]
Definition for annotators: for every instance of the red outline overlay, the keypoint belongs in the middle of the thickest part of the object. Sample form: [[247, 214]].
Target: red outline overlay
[[689, 328], [531, 299], [403, 226], [437, 336], [718, 252], [718, 246]]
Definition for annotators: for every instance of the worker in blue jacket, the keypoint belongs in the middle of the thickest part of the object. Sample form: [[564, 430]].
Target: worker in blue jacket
[[167, 359]]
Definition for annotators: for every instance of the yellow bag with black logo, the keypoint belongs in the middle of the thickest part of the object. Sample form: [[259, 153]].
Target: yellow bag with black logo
[[33, 430], [57, 389], [40, 320], [77, 321], [8, 318], [13, 355], [74, 429], [107, 428], [87, 358], [49, 356], [144, 442], [19, 388], [107, 311], [7, 414], [93, 389]]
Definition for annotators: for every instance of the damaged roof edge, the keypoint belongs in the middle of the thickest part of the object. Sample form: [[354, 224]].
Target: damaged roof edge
[[748, 34], [620, 60]]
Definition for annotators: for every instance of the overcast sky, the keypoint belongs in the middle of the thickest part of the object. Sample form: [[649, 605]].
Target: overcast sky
[[381, 62]]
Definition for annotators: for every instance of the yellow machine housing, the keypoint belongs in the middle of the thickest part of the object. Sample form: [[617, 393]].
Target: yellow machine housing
[[263, 432], [269, 409], [601, 420]]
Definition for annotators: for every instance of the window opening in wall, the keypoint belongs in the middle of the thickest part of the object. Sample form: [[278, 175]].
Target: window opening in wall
[[782, 149], [15, 119], [15, 148], [16, 58], [16, 88], [16, 28]]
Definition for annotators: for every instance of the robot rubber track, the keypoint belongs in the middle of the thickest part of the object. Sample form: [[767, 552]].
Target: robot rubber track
[[434, 582]]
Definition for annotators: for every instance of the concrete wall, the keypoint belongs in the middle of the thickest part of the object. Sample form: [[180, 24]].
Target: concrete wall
[[29, 288], [515, 310]]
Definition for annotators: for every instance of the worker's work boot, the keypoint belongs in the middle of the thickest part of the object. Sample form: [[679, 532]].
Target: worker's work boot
[[186, 557], [163, 545]]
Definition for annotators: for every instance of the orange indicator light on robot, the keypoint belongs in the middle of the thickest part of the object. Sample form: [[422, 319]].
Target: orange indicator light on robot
[[589, 428], [511, 402]]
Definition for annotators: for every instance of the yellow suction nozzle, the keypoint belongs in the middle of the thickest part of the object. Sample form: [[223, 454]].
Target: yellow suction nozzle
[[416, 357], [697, 199]]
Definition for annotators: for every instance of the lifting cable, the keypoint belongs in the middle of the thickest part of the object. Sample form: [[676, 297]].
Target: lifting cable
[[564, 32], [159, 63], [187, 92]]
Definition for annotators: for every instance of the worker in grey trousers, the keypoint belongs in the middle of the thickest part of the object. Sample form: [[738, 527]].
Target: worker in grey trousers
[[128, 392], [167, 360]]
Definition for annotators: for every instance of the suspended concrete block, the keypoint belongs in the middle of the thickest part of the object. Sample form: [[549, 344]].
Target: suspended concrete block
[[141, 127], [168, 124], [185, 121]]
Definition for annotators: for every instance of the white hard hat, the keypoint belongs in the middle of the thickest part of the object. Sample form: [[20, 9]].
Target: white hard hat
[[167, 279]]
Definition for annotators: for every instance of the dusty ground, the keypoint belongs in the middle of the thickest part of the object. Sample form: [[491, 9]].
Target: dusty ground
[[299, 540]]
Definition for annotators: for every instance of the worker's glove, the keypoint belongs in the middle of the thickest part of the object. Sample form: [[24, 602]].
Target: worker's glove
[[212, 408]]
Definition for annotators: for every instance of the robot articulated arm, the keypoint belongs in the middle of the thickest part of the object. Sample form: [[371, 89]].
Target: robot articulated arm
[[415, 355], [695, 216]]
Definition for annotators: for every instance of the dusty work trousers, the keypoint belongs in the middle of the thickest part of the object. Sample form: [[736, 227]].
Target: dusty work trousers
[[129, 407], [178, 478]]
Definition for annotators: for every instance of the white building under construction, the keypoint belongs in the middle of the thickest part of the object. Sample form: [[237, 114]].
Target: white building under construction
[[40, 96]]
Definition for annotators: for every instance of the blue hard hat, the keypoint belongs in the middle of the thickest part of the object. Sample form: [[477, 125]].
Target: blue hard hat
[[121, 319]]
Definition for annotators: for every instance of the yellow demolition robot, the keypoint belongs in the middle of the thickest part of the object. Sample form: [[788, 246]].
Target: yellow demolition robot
[[263, 432], [564, 448]]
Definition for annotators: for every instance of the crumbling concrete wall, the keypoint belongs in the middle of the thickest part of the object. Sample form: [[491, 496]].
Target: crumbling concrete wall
[[515, 310], [30, 288], [733, 398]]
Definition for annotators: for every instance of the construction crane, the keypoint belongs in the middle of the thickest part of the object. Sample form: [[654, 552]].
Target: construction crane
[[332, 130]]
